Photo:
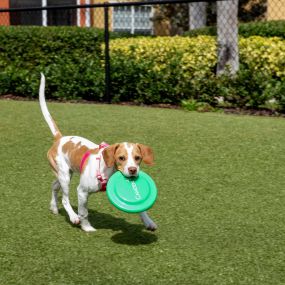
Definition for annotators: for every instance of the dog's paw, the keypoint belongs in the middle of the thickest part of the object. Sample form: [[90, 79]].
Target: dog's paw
[[151, 226], [75, 220], [54, 210], [88, 229]]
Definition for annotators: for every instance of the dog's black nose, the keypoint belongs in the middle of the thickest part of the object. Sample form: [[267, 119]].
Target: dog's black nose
[[132, 170]]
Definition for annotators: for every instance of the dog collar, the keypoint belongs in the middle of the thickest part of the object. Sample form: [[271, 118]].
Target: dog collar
[[103, 145], [99, 176]]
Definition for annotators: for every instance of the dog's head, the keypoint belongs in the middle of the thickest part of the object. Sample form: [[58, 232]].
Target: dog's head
[[127, 157]]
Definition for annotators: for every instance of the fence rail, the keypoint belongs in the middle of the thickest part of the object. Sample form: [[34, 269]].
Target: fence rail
[[104, 4]]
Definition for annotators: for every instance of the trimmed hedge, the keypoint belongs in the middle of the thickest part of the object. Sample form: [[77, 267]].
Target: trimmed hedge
[[70, 57], [169, 70], [144, 69], [264, 29]]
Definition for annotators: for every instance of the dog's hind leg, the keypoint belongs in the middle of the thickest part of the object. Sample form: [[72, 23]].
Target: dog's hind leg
[[54, 192], [64, 176], [82, 209]]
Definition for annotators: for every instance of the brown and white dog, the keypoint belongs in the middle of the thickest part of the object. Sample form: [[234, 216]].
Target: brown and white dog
[[68, 155]]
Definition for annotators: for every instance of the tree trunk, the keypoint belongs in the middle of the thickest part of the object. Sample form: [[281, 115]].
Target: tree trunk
[[197, 15], [227, 22]]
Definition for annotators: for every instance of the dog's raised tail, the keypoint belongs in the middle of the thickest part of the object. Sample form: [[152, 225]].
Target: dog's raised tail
[[52, 125]]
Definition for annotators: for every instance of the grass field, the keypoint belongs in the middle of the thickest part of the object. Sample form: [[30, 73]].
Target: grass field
[[220, 210]]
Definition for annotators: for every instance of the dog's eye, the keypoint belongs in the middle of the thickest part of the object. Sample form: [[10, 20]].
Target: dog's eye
[[137, 158], [122, 158]]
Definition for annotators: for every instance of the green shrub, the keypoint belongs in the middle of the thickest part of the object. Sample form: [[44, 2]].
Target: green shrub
[[69, 56], [277, 92], [193, 105], [264, 29], [143, 69], [153, 70], [206, 31], [169, 70]]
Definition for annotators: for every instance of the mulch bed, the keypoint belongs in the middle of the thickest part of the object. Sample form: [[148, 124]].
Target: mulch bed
[[252, 112], [237, 111]]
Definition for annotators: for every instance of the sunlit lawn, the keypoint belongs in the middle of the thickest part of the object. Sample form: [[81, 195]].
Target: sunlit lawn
[[220, 210]]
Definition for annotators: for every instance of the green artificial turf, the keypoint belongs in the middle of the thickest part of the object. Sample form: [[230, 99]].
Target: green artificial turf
[[220, 209]]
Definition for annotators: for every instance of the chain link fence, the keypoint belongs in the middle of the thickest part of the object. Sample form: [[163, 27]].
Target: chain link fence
[[173, 18]]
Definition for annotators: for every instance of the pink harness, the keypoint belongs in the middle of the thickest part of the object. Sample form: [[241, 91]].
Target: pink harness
[[99, 176]]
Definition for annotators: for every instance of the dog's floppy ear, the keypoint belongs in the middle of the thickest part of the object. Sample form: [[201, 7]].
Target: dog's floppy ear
[[147, 154], [109, 154]]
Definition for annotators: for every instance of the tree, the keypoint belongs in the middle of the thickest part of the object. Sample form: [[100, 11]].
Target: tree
[[176, 15], [182, 17], [227, 28], [252, 10]]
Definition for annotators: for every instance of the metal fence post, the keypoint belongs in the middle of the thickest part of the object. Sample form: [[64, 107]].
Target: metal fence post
[[107, 56]]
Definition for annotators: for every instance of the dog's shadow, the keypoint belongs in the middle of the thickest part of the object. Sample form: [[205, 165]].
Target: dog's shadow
[[130, 234]]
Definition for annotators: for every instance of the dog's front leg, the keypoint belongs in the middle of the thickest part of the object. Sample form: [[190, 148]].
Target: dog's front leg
[[82, 209], [148, 222]]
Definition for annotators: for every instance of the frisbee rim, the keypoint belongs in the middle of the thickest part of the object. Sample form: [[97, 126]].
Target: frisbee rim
[[135, 208]]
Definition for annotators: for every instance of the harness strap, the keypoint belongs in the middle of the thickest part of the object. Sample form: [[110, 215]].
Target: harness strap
[[99, 176], [84, 158]]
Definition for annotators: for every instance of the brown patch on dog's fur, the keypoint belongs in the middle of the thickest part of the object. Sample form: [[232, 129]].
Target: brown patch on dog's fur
[[121, 151], [51, 155], [58, 134], [75, 153], [109, 154], [147, 154]]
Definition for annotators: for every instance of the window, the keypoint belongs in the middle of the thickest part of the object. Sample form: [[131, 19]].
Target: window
[[135, 20], [25, 18], [66, 17]]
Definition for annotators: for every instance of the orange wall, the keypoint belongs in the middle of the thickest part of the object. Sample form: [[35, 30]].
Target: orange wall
[[98, 16], [276, 10], [4, 17], [82, 14], [4, 4]]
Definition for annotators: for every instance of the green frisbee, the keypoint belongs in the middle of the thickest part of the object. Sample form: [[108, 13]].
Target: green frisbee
[[131, 194]]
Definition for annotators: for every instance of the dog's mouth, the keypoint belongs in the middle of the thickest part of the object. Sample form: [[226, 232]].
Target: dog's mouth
[[133, 175]]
